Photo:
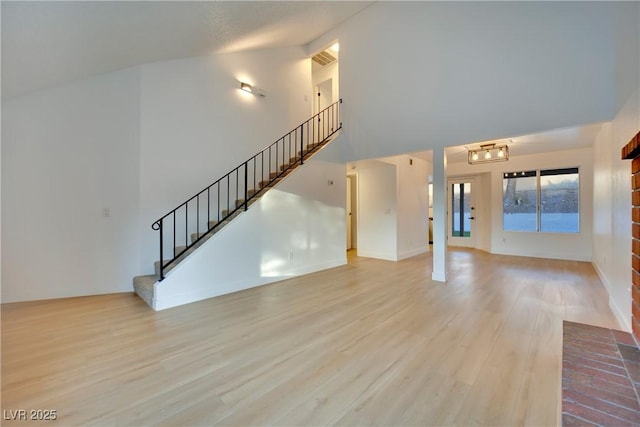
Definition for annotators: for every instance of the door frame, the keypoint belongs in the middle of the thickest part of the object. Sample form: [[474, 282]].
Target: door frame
[[471, 241], [352, 203]]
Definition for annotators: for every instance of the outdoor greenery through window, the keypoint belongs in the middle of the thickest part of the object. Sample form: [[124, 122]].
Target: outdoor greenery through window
[[545, 200]]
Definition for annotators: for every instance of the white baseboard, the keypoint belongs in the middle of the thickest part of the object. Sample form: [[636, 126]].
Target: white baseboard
[[624, 323], [377, 255], [545, 255], [622, 320], [412, 252]]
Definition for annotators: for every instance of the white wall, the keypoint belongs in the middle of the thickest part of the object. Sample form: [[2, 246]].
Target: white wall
[[568, 246], [69, 153], [412, 72], [377, 214], [412, 198], [197, 124], [136, 143], [485, 211], [612, 187], [297, 228], [612, 208], [393, 211]]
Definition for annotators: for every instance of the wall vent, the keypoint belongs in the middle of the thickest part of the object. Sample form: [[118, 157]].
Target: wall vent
[[324, 58]]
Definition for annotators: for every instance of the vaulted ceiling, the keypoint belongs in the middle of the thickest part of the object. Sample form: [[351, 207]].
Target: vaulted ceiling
[[45, 43]]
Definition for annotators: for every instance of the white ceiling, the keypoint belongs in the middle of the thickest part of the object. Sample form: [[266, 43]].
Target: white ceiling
[[554, 140], [542, 142], [45, 43]]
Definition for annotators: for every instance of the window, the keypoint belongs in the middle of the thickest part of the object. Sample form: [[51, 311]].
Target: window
[[559, 197], [545, 200], [520, 211]]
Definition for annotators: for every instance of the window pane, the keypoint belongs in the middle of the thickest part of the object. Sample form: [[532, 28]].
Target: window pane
[[559, 199], [520, 202]]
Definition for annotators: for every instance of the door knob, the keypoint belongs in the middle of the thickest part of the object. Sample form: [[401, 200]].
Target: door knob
[[472, 217]]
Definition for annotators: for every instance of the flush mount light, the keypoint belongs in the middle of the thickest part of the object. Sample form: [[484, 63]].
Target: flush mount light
[[246, 87], [488, 153]]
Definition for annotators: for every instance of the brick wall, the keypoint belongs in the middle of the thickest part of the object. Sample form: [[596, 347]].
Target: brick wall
[[631, 151]]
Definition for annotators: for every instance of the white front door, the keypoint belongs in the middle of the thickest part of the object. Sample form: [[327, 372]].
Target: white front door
[[462, 212]]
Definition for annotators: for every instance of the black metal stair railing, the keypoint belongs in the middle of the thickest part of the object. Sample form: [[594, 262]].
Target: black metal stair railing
[[208, 209]]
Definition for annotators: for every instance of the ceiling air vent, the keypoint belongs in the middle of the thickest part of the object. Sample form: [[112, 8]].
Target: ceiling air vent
[[324, 58]]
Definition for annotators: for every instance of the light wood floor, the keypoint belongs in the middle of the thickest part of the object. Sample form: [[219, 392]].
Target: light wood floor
[[374, 342]]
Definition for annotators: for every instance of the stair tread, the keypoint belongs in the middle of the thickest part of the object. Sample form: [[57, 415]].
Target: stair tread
[[146, 281]]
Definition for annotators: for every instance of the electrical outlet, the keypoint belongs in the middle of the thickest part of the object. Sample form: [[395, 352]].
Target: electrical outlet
[[290, 255], [106, 212]]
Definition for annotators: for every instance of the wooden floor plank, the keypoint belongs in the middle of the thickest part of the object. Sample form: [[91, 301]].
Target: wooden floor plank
[[370, 343]]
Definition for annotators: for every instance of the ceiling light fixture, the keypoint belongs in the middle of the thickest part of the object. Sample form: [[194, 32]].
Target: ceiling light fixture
[[488, 153], [246, 87]]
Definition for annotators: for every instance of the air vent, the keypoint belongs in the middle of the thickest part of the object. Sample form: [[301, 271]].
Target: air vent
[[324, 58]]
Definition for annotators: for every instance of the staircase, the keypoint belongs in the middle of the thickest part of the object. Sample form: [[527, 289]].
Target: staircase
[[188, 226]]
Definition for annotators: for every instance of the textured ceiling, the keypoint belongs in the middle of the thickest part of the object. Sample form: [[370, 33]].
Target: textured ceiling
[[47, 43]]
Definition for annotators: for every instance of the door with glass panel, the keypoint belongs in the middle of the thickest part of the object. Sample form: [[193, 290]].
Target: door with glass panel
[[462, 213]]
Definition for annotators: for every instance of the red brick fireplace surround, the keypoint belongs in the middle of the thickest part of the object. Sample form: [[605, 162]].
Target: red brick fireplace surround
[[631, 151]]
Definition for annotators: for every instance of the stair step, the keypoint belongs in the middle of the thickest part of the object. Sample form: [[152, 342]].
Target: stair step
[[143, 287], [156, 267], [307, 150], [196, 236], [270, 183], [225, 212]]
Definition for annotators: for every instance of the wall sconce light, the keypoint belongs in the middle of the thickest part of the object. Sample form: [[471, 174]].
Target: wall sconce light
[[488, 153], [251, 89]]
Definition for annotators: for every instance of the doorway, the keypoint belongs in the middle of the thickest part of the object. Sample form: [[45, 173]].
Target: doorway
[[351, 210], [324, 83], [461, 213], [324, 95]]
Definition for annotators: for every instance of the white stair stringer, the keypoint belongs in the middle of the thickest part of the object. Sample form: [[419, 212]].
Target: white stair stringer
[[180, 286]]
